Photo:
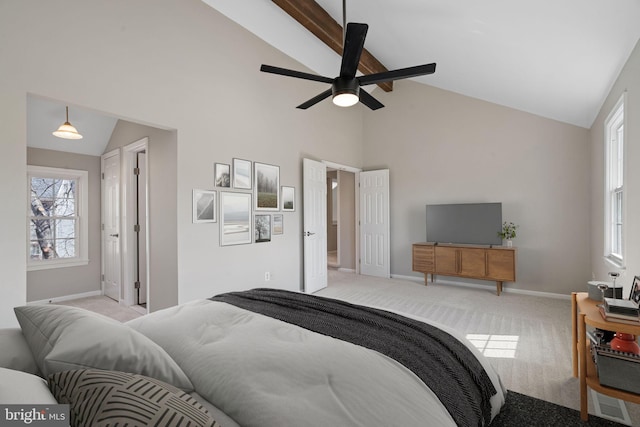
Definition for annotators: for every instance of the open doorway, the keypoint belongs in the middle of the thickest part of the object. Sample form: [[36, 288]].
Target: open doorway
[[152, 146], [341, 219]]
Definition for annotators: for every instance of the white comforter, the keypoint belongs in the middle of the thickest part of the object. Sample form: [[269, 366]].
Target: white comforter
[[264, 372]]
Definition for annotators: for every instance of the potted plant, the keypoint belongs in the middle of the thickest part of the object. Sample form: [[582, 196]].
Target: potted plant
[[508, 232]]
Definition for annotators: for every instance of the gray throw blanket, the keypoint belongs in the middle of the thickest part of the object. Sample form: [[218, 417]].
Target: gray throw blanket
[[443, 363]]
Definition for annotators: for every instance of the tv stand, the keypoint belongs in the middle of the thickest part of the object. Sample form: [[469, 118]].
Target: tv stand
[[497, 263]]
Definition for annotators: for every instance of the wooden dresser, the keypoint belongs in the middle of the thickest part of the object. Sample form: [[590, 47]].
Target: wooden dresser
[[497, 263]]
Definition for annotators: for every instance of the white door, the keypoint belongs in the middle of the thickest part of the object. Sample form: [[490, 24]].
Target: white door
[[374, 223], [314, 225], [142, 222], [111, 279]]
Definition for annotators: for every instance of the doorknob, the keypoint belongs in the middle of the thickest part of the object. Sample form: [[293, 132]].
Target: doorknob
[[114, 235], [307, 233]]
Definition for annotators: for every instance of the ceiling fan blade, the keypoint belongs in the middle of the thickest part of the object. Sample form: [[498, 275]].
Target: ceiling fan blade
[[369, 100], [293, 73], [315, 100], [402, 73], [353, 45]]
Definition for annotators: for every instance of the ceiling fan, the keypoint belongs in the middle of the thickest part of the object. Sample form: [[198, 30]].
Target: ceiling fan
[[345, 88]]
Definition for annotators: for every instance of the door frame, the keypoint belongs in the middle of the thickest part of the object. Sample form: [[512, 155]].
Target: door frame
[[128, 219], [356, 172]]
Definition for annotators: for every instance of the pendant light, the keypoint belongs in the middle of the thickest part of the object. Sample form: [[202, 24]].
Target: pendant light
[[66, 130]]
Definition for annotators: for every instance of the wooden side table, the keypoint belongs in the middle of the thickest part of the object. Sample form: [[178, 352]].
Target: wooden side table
[[584, 311]]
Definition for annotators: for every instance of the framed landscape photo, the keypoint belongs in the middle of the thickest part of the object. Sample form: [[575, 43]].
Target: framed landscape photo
[[266, 184], [204, 206], [223, 175], [288, 198], [235, 218], [278, 224], [635, 290], [262, 228], [242, 174]]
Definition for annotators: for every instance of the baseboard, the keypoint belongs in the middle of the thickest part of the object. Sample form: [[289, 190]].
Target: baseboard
[[65, 298], [347, 270], [491, 287]]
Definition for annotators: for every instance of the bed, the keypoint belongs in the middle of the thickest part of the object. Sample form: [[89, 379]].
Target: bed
[[262, 357]]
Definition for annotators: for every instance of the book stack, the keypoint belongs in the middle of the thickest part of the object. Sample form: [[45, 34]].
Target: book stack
[[620, 310]]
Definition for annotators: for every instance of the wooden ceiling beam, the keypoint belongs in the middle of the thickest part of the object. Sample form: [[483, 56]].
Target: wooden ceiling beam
[[315, 19]]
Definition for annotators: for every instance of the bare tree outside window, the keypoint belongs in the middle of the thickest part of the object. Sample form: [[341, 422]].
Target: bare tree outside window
[[53, 218]]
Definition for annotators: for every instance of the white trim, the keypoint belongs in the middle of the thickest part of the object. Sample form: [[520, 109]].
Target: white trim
[[128, 206], [420, 279], [66, 298], [341, 167], [82, 203], [346, 270], [615, 261]]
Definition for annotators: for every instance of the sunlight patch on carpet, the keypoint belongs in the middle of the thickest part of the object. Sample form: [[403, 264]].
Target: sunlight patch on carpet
[[491, 345]]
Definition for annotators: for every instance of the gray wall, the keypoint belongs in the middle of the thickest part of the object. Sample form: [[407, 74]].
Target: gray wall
[[443, 147], [440, 146], [163, 223], [59, 282], [628, 80], [198, 74]]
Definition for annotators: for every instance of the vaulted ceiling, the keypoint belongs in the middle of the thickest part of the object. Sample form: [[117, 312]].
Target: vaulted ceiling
[[550, 58]]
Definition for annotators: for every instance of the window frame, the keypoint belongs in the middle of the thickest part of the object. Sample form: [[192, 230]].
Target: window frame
[[82, 210], [615, 159]]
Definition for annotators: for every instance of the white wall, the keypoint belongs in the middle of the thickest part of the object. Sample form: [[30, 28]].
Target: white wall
[[173, 64], [628, 80], [443, 147]]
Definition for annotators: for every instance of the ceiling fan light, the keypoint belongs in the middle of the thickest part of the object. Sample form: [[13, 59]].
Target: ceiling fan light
[[346, 92], [345, 99], [66, 130]]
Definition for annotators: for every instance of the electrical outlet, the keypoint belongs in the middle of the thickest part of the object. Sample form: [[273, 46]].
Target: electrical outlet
[[267, 276]]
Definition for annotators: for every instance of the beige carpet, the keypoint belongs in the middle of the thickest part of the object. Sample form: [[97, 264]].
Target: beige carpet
[[541, 364], [105, 306], [532, 335]]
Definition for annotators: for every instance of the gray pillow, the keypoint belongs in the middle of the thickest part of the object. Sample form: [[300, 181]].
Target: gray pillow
[[15, 353], [20, 388], [63, 338], [108, 398]]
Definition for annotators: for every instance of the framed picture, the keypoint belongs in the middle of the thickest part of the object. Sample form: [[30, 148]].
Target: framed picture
[[242, 174], [204, 206], [235, 218], [262, 228], [635, 290], [278, 224], [288, 198], [266, 184], [223, 175]]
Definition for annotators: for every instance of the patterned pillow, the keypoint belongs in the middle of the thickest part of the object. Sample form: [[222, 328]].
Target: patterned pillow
[[109, 398]]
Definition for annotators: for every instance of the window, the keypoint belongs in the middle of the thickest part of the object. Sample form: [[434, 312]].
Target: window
[[614, 197], [57, 218]]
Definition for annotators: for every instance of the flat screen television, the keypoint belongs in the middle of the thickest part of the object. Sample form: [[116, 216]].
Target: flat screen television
[[471, 223]]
